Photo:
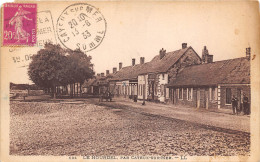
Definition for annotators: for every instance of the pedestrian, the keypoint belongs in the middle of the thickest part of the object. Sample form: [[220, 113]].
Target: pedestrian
[[246, 105], [234, 104]]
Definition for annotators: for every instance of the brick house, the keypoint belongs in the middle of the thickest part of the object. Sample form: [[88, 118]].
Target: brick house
[[124, 82], [156, 74], [147, 80], [212, 84]]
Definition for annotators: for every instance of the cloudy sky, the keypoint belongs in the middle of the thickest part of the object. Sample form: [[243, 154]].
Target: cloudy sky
[[139, 29]]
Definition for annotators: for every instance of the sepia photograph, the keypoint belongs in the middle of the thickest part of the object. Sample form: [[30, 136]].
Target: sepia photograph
[[122, 80]]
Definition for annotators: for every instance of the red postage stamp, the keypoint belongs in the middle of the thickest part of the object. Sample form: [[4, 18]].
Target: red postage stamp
[[20, 24]]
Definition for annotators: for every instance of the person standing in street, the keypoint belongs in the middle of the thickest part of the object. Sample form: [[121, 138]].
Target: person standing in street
[[234, 104], [246, 105]]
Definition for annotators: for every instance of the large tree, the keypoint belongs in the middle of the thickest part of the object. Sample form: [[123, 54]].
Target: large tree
[[47, 68], [79, 68], [54, 66]]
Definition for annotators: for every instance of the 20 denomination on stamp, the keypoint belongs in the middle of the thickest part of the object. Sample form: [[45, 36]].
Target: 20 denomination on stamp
[[81, 26]]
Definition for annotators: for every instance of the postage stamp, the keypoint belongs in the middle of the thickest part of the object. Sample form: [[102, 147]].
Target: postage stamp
[[20, 24], [21, 57], [81, 26]]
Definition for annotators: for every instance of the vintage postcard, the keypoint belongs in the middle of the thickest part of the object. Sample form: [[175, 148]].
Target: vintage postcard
[[130, 81]]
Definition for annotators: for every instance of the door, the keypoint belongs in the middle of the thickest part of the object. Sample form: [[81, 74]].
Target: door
[[198, 98], [171, 95], [207, 98], [152, 82], [173, 100]]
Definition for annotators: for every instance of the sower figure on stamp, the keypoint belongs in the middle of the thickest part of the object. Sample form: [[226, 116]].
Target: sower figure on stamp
[[234, 104], [246, 105], [20, 33]]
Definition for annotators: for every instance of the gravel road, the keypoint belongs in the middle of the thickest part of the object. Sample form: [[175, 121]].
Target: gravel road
[[84, 128]]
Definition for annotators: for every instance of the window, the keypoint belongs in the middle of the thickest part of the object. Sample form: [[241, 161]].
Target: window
[[162, 90], [216, 94], [189, 93], [155, 89], [180, 93], [162, 76], [210, 94], [213, 94], [141, 89], [167, 93], [228, 95]]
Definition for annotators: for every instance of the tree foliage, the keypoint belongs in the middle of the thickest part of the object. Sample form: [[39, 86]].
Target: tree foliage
[[79, 68], [54, 66]]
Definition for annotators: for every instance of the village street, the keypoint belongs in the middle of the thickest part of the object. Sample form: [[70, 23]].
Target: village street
[[122, 127]]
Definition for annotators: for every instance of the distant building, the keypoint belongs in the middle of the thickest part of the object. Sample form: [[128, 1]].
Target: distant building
[[124, 82], [95, 86]]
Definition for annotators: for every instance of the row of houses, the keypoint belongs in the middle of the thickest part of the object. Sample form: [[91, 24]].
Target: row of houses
[[179, 77]]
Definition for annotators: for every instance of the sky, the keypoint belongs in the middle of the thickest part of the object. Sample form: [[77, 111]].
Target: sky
[[141, 29]]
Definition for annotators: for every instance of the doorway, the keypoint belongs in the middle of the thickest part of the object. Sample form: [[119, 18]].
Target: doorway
[[206, 98], [172, 95], [198, 98], [239, 93]]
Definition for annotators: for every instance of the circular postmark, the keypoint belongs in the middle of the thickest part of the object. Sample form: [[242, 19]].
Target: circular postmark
[[81, 26]]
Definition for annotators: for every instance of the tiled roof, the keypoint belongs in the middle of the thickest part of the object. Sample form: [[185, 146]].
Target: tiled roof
[[162, 65], [233, 71], [156, 65]]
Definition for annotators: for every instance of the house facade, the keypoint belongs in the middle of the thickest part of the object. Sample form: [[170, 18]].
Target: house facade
[[211, 84], [152, 82], [124, 82], [181, 77]]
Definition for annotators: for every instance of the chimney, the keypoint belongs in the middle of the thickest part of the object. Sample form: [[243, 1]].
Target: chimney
[[184, 45], [120, 65], [114, 70], [206, 57], [102, 74], [141, 60], [162, 53], [98, 74], [107, 72], [133, 62], [248, 52]]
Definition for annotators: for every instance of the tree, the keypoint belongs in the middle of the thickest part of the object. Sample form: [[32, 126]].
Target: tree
[[54, 66], [79, 68], [47, 67]]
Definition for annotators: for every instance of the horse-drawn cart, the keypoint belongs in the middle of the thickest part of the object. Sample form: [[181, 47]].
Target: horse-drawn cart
[[107, 95]]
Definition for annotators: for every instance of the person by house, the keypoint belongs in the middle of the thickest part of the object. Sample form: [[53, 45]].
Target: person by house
[[246, 108], [234, 102]]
